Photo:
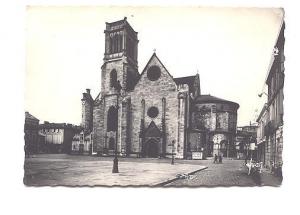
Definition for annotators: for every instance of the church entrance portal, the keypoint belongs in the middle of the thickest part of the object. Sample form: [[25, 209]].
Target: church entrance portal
[[152, 148]]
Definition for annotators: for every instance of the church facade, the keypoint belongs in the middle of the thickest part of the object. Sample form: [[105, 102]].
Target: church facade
[[147, 114]]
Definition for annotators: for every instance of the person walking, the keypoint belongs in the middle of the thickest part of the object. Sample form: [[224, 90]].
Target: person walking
[[220, 158], [216, 159]]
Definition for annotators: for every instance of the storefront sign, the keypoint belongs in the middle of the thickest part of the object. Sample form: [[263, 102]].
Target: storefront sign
[[197, 155]]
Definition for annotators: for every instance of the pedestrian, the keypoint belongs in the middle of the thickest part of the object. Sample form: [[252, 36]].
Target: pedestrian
[[220, 158], [216, 159]]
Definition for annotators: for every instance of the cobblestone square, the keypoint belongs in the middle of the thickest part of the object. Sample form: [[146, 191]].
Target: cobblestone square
[[74, 170]]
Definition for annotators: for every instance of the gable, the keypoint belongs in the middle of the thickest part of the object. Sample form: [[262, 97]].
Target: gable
[[155, 74]]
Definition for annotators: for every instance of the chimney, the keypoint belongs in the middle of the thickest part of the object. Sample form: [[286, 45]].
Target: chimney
[[88, 91]]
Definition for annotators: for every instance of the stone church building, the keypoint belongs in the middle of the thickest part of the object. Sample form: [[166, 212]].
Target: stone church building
[[147, 114]]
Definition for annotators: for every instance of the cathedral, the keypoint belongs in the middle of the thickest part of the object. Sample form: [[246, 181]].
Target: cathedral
[[152, 114]]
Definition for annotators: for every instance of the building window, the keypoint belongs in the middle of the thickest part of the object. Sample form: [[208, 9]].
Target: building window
[[116, 43], [113, 78], [153, 112], [153, 73], [213, 108], [112, 119], [143, 109]]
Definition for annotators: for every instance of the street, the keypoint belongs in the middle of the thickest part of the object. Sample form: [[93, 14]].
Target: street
[[229, 173], [76, 170]]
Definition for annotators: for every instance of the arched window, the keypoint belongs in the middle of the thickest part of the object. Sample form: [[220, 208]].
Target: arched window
[[120, 42], [116, 41], [153, 73], [113, 78], [111, 143], [152, 112], [111, 45], [143, 109], [112, 119]]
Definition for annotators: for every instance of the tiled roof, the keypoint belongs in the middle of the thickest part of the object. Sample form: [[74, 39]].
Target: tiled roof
[[57, 125], [29, 116], [212, 99]]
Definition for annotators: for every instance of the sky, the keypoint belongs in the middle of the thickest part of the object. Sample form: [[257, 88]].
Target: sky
[[230, 48]]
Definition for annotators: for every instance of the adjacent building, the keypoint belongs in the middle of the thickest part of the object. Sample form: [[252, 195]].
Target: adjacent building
[[31, 134], [213, 126], [82, 142], [270, 132], [245, 142], [152, 114], [58, 137]]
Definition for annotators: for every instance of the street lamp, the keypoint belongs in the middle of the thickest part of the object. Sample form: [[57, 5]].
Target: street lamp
[[173, 143], [105, 144], [116, 161]]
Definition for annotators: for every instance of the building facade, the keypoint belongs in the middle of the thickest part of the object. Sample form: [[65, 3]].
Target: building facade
[[270, 134], [148, 114], [58, 137], [31, 134], [246, 144], [214, 122], [82, 142]]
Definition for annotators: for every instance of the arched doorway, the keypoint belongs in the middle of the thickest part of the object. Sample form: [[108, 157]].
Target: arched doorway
[[152, 145], [152, 148], [224, 148]]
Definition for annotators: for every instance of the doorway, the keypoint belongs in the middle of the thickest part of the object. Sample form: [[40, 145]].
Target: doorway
[[152, 149]]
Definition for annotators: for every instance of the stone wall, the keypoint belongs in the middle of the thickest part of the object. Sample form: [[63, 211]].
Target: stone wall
[[218, 121], [213, 116], [153, 92], [87, 111], [98, 125]]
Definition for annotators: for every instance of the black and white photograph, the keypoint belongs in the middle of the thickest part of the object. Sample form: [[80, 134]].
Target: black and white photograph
[[149, 107], [144, 96]]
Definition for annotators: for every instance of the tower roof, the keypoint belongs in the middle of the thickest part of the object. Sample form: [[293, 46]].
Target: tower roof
[[111, 26]]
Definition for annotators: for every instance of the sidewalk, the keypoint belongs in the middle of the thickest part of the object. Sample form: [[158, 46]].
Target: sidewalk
[[269, 179]]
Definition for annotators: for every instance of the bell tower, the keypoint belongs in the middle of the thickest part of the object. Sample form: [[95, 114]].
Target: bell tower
[[120, 57]]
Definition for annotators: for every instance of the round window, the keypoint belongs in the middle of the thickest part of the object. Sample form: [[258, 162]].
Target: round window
[[153, 73], [152, 112]]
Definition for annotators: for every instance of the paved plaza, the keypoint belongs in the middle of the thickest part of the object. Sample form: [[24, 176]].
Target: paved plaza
[[68, 170], [75, 170]]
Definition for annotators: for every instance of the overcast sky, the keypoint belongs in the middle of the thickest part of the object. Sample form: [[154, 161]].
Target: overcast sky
[[231, 49]]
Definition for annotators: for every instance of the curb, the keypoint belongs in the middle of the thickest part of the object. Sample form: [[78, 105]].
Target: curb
[[176, 178]]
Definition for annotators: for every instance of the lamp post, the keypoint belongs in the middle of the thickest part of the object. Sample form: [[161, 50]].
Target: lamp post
[[173, 143], [105, 144], [116, 161]]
